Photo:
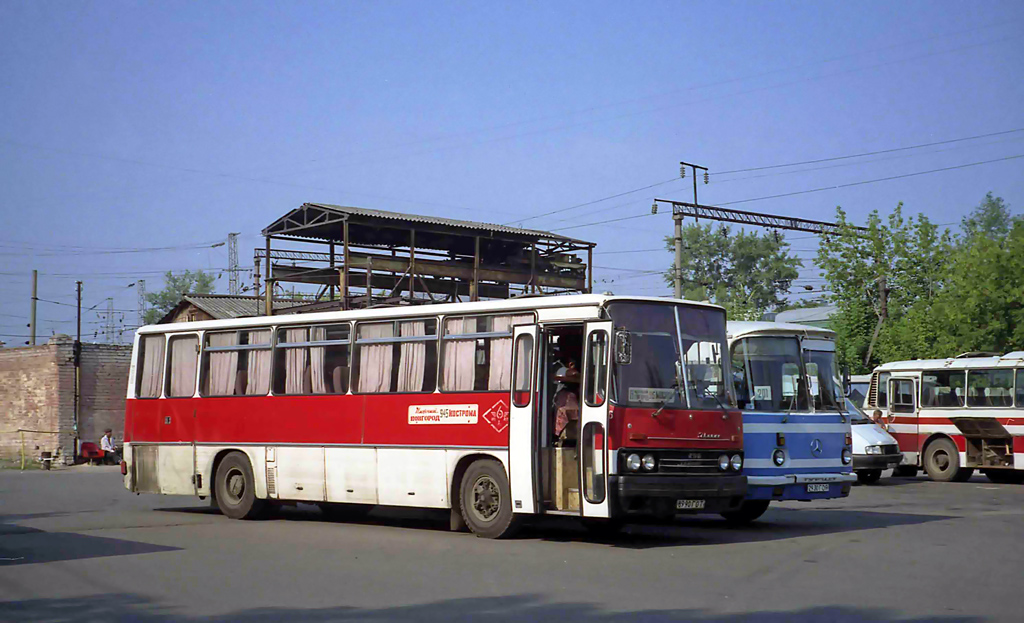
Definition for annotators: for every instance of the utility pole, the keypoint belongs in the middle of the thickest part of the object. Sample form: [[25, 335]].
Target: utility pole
[[140, 285], [78, 362], [32, 312], [233, 270], [677, 219]]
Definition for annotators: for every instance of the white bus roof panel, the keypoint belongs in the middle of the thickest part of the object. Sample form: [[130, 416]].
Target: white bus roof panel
[[736, 329]]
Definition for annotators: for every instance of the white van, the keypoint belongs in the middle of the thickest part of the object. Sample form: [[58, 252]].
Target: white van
[[874, 450]]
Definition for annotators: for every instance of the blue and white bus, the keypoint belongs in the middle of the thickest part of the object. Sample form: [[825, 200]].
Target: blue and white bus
[[796, 429]]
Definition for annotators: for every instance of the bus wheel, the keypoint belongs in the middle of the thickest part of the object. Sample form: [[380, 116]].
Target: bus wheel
[[869, 476], [748, 512], [1004, 476], [942, 462], [236, 488], [485, 500]]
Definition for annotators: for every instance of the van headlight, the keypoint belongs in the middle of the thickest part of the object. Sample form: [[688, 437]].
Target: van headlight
[[723, 462], [633, 462], [778, 457], [736, 462], [872, 449], [847, 456]]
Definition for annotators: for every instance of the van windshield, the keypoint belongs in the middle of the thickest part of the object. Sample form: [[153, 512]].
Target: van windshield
[[658, 343]]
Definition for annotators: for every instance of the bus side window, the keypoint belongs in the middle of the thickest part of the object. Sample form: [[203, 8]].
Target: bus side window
[[236, 363], [150, 376], [181, 375], [476, 353], [1020, 387], [903, 396], [398, 356], [312, 360], [883, 390], [989, 388]]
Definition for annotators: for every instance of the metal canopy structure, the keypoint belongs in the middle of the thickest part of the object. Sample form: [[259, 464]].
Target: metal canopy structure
[[760, 219], [375, 257]]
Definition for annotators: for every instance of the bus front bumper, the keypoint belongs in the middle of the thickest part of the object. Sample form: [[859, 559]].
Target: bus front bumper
[[666, 495], [800, 486]]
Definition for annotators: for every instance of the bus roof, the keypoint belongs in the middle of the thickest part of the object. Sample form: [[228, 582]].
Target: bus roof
[[1009, 360], [743, 328], [496, 306]]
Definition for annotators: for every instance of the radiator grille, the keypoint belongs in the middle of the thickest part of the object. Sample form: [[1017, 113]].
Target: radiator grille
[[873, 390], [890, 449]]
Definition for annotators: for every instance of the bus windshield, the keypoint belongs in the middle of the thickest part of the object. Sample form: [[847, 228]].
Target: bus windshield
[[823, 381], [766, 374], [670, 355]]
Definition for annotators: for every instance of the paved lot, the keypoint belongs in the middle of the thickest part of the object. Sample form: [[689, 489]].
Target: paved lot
[[74, 545]]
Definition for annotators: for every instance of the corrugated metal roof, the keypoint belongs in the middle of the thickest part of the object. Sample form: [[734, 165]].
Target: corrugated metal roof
[[449, 222], [224, 306]]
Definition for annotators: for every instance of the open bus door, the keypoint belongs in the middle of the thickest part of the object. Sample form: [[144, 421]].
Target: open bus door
[[522, 441], [593, 439]]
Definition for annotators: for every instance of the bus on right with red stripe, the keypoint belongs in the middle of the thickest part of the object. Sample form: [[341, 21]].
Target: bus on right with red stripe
[[954, 416]]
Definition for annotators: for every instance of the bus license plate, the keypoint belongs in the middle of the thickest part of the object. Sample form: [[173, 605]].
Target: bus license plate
[[817, 488], [689, 505]]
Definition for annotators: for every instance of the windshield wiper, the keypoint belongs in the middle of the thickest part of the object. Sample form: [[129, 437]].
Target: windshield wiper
[[721, 405], [675, 392]]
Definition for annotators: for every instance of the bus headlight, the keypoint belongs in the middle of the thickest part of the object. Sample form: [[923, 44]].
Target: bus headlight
[[633, 462], [778, 457], [649, 463], [847, 456], [723, 462], [736, 462]]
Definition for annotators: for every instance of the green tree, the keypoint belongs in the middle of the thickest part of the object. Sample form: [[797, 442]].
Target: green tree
[[746, 273], [175, 289]]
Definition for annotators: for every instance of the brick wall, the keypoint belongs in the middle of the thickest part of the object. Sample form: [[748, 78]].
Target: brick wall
[[37, 393]]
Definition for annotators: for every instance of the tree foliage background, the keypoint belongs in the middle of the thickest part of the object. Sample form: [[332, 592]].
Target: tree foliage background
[[747, 273], [948, 293], [175, 288]]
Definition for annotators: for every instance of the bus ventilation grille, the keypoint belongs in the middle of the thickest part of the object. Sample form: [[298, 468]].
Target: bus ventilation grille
[[272, 482]]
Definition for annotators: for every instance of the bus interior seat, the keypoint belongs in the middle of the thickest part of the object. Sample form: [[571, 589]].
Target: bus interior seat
[[241, 381], [338, 377]]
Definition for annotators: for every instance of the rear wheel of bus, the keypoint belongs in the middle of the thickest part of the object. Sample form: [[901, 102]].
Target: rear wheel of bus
[[485, 500], [748, 512], [236, 488], [942, 462]]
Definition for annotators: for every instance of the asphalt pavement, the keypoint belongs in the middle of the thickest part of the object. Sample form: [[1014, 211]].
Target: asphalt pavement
[[74, 545]]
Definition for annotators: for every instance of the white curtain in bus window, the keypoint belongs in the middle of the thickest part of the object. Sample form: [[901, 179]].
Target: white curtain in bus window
[[257, 370], [501, 351], [184, 359], [316, 360], [151, 364], [375, 359], [296, 371], [459, 356], [221, 375], [412, 361]]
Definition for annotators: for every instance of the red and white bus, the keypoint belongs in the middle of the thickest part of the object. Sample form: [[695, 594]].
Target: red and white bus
[[952, 416], [443, 406]]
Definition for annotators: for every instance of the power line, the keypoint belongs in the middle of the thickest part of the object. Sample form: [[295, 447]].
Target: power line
[[580, 205], [870, 153]]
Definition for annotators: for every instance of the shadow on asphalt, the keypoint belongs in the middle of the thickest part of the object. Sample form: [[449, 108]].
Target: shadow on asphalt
[[777, 524], [518, 608], [22, 545]]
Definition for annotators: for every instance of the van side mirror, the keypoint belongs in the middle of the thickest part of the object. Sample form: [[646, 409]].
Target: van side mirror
[[847, 383]]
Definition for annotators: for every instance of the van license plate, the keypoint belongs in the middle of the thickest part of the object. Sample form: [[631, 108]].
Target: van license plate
[[689, 505], [817, 488]]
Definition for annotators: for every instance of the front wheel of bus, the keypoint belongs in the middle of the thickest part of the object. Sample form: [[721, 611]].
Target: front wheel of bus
[[942, 462], [485, 500], [748, 512], [236, 488]]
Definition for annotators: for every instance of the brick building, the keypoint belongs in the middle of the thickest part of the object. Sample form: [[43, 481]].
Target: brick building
[[37, 393]]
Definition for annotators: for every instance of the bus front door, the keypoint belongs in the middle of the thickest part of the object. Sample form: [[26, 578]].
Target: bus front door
[[522, 435], [593, 439]]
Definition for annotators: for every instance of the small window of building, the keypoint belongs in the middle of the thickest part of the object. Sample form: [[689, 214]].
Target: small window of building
[[181, 374], [990, 388], [396, 357], [312, 360], [477, 353], [942, 388], [236, 363], [150, 364]]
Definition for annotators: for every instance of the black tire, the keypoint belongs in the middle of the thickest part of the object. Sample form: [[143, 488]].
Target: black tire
[[747, 512], [486, 501], [942, 462], [869, 476], [344, 512], [1004, 476], [236, 488], [905, 471]]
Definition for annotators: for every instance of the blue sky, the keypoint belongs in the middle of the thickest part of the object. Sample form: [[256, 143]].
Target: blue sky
[[127, 125]]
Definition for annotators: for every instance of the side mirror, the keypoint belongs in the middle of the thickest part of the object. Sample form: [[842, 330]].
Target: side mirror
[[847, 383], [623, 348]]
